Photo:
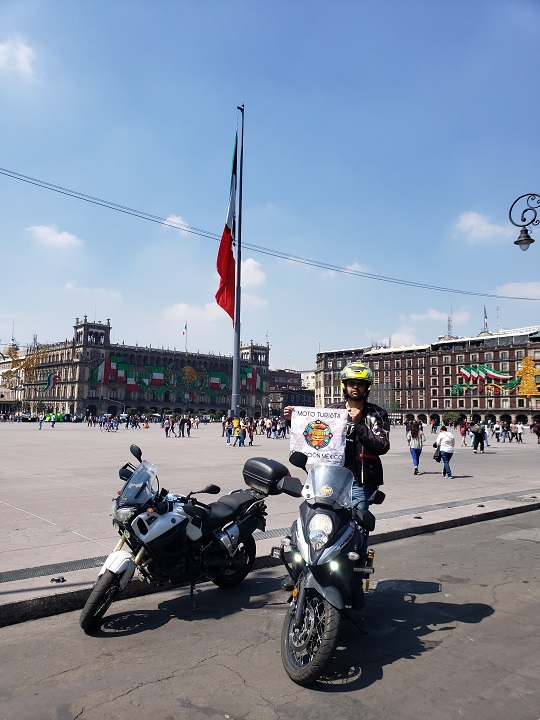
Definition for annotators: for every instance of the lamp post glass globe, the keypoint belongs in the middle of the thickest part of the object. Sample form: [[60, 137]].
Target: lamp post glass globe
[[524, 240]]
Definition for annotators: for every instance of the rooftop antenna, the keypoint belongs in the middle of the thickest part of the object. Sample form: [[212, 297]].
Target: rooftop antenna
[[498, 324], [450, 329]]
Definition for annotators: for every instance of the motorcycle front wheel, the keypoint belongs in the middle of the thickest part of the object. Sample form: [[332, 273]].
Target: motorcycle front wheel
[[306, 651], [99, 601], [229, 577]]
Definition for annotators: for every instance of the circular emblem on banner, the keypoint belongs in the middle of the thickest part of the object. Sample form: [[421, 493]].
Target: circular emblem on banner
[[317, 434], [326, 490]]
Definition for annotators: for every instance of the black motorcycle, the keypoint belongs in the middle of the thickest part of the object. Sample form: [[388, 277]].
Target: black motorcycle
[[327, 559]]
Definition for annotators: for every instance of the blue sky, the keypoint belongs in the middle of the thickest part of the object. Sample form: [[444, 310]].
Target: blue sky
[[384, 137]]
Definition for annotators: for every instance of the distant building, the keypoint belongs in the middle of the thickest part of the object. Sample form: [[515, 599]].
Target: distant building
[[285, 388], [425, 381], [90, 375], [308, 379]]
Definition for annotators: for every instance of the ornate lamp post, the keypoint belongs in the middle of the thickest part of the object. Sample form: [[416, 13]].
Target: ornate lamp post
[[529, 204]]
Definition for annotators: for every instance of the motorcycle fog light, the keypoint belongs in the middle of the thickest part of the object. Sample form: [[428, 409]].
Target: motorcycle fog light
[[334, 565], [297, 557]]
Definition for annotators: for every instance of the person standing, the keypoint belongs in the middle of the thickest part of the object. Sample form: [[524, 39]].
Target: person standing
[[513, 431], [445, 443], [463, 433], [415, 440], [167, 426], [519, 434], [40, 420], [53, 420], [478, 437], [497, 431]]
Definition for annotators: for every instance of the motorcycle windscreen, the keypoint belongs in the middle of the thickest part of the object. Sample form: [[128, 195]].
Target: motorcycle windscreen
[[141, 487], [329, 485]]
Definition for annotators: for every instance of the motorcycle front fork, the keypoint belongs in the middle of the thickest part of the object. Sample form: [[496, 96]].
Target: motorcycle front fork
[[138, 558]]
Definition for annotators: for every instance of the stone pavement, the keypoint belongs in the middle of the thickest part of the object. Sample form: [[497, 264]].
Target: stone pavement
[[57, 485]]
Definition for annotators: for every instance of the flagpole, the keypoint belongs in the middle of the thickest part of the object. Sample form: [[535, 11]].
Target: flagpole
[[235, 394]]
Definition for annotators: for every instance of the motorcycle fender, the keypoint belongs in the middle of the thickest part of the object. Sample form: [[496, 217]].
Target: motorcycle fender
[[329, 592], [120, 563]]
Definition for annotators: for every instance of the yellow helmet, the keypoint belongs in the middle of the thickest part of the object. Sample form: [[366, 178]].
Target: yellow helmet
[[357, 371]]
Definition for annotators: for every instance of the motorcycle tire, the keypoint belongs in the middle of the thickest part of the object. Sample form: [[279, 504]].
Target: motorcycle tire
[[306, 652], [99, 601], [228, 578]]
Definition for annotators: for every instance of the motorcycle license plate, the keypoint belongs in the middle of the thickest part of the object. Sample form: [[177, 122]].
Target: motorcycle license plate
[[275, 552]]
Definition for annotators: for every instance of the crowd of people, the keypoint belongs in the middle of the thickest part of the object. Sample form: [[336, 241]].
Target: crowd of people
[[241, 428]]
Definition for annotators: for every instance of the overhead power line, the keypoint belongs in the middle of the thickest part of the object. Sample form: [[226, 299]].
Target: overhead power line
[[254, 248]]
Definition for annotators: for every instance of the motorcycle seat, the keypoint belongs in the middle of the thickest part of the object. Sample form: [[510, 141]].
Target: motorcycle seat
[[226, 509]]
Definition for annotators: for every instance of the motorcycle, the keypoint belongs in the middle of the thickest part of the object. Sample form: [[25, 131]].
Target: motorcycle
[[327, 559], [177, 538]]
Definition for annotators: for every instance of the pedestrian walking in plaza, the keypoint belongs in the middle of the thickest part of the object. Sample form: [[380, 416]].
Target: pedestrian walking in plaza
[[537, 432], [167, 426], [497, 432], [228, 430], [40, 420], [478, 437], [415, 440], [53, 420], [519, 435], [188, 426], [463, 433], [513, 431], [445, 443], [504, 431]]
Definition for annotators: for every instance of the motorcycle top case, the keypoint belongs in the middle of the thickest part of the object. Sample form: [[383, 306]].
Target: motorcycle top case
[[263, 475]]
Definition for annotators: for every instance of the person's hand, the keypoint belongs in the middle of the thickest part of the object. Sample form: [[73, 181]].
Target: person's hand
[[287, 412], [355, 414]]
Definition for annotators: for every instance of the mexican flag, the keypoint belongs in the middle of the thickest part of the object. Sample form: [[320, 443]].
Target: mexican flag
[[225, 260]]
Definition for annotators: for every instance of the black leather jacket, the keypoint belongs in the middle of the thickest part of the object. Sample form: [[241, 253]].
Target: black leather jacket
[[366, 442]]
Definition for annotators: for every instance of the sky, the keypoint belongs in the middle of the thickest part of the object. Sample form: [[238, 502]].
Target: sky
[[385, 139]]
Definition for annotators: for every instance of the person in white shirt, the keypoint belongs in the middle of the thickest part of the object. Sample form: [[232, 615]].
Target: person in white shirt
[[520, 429], [445, 443]]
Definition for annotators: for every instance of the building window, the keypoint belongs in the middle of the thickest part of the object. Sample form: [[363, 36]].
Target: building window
[[461, 358], [446, 359], [504, 367], [447, 371], [488, 357], [447, 404], [433, 360], [447, 392], [504, 402], [409, 363], [447, 381], [504, 355], [521, 402], [375, 365], [433, 371], [398, 364], [386, 364], [434, 404], [475, 403], [433, 381], [421, 362], [434, 392], [474, 357], [338, 364], [520, 354], [461, 403]]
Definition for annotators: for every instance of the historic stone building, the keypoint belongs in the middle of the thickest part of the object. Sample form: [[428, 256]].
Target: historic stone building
[[483, 377], [90, 375]]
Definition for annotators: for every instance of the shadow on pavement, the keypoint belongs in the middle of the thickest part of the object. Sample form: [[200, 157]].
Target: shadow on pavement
[[212, 603], [395, 627]]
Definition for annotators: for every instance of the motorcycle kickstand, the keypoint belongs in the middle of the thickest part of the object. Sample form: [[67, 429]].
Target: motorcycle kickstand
[[191, 595]]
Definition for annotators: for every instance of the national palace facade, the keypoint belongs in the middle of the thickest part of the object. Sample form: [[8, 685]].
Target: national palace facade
[[489, 376], [90, 375]]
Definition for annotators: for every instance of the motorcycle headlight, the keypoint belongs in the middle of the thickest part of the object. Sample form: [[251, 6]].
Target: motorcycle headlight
[[124, 515], [319, 529]]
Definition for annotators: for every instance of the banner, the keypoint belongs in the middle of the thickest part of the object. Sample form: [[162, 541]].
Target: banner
[[320, 434]]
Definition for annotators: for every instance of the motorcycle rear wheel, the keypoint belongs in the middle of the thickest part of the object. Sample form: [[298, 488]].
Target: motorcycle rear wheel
[[228, 578], [306, 652], [99, 601]]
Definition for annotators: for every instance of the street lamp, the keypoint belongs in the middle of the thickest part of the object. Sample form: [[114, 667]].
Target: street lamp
[[531, 203]]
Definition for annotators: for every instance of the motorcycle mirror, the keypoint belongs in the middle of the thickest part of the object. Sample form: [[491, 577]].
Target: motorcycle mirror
[[290, 486], [136, 451], [377, 498], [298, 459], [211, 490]]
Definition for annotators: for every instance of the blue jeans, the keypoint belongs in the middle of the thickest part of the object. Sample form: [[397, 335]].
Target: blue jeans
[[445, 457], [362, 493], [415, 453]]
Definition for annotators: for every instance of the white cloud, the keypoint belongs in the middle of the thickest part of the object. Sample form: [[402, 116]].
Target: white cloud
[[401, 337], [50, 236], [203, 317], [355, 267], [178, 222], [250, 300], [431, 315], [252, 273], [16, 54], [520, 289], [71, 287], [476, 228]]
